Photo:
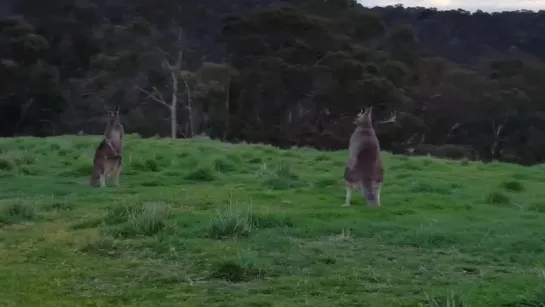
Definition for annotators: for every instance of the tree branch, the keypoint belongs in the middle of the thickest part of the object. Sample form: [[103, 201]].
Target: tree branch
[[153, 95], [158, 93], [167, 55]]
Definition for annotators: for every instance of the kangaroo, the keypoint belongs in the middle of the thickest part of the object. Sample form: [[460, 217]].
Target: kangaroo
[[364, 170], [108, 160]]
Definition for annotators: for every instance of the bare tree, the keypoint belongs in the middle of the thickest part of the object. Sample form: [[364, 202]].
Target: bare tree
[[172, 62], [499, 139], [24, 109]]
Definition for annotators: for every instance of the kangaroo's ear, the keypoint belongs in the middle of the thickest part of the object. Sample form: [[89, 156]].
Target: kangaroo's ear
[[368, 111]]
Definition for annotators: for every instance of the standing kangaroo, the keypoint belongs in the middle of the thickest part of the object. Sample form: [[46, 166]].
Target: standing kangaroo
[[364, 170], [108, 160]]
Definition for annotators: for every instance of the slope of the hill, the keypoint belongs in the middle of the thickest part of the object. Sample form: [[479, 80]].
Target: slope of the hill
[[203, 223], [470, 38]]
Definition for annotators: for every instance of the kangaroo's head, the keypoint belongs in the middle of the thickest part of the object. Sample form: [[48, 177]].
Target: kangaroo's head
[[363, 119], [113, 113]]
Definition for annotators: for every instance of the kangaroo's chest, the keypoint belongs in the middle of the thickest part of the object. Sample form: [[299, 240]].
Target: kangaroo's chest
[[116, 138]]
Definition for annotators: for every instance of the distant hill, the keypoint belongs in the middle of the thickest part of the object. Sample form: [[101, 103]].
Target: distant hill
[[466, 37], [456, 35], [288, 73]]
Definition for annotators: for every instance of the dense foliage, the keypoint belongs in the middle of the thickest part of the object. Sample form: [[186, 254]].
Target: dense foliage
[[287, 73]]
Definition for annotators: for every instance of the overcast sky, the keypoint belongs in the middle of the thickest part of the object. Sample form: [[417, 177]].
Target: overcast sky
[[469, 5]]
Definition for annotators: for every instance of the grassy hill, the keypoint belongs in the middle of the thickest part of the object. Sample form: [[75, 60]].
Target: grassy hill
[[203, 223]]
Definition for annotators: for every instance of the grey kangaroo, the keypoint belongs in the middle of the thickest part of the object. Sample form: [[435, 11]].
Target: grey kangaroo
[[364, 170], [108, 160]]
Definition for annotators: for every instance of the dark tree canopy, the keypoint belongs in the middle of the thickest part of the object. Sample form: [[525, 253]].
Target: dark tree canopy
[[289, 73]]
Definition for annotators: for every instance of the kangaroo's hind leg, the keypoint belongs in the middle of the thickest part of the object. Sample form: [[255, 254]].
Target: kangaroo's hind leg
[[349, 187], [348, 196], [98, 177], [95, 178], [116, 171], [368, 190], [103, 180], [377, 186]]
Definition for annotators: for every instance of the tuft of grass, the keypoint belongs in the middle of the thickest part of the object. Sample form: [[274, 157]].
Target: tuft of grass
[[452, 300], [255, 160], [223, 165], [60, 206], [201, 173], [423, 187], [409, 165], [242, 268], [140, 220], [54, 147], [532, 298], [145, 165], [427, 161], [17, 211], [63, 152], [497, 198], [322, 157], [6, 164], [325, 182], [269, 220], [279, 176], [28, 170], [234, 223], [103, 247], [25, 159], [513, 186], [230, 223], [81, 166], [87, 223]]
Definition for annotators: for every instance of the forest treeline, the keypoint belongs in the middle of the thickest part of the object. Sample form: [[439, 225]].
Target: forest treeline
[[287, 73]]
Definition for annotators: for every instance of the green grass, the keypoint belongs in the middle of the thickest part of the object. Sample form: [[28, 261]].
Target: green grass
[[204, 223]]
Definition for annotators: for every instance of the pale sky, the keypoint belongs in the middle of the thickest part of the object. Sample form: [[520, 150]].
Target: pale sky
[[469, 5]]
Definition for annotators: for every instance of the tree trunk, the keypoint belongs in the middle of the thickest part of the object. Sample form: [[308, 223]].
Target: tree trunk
[[189, 107], [227, 118], [173, 120], [173, 106]]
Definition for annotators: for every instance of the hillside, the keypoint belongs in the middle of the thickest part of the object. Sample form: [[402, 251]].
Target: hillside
[[203, 223], [286, 73], [469, 38]]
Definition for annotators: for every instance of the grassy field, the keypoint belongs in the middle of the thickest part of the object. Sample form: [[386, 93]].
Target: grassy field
[[204, 223]]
